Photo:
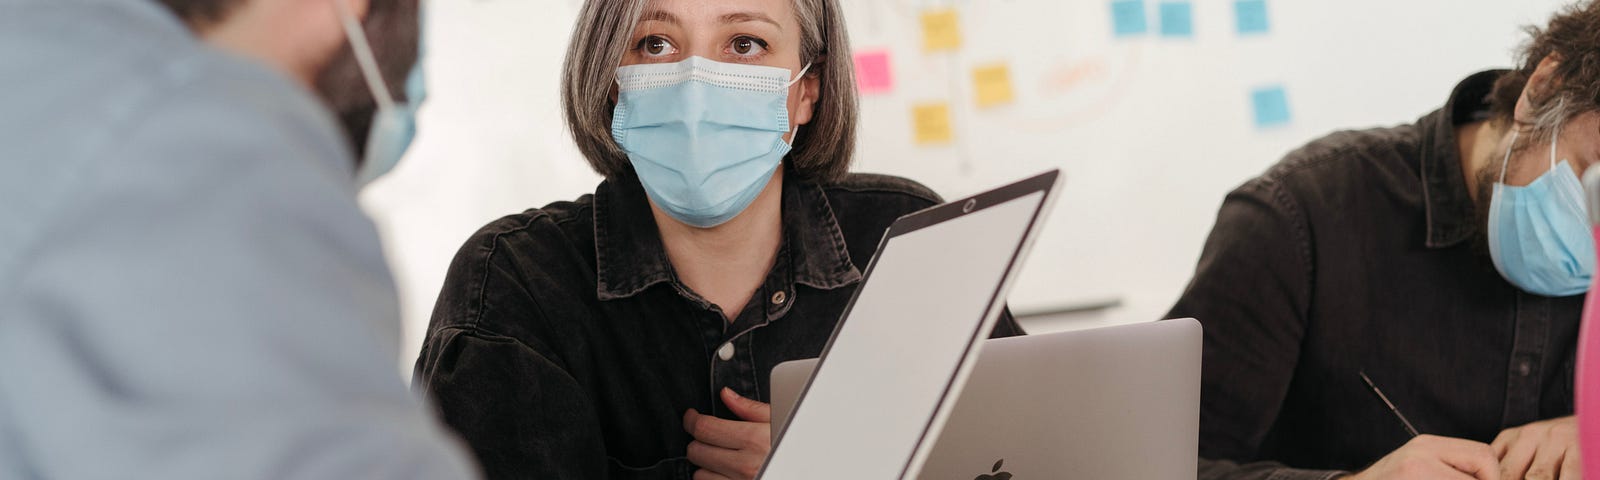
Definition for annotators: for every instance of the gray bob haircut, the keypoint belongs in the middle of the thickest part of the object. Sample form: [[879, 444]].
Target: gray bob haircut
[[824, 147]]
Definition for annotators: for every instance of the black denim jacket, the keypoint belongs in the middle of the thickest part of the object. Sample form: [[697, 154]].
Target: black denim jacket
[[563, 346], [1363, 251]]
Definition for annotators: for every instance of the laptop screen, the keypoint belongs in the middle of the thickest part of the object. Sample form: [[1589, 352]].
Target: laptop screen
[[929, 296]]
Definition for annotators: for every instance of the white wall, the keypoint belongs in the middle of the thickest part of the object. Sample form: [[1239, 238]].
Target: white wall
[[1150, 138]]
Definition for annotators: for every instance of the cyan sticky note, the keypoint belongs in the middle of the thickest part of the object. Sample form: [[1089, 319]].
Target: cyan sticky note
[[1271, 105], [1177, 19], [872, 72], [1128, 18], [1251, 17]]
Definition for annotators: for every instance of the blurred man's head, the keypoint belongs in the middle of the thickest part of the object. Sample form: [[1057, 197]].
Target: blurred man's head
[[1556, 86], [1558, 76], [304, 40]]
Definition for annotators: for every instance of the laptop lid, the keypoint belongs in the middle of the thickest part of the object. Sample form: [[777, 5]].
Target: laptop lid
[[1114, 403], [904, 344]]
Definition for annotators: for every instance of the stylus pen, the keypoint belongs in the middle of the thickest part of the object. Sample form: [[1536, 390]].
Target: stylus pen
[[1385, 398]]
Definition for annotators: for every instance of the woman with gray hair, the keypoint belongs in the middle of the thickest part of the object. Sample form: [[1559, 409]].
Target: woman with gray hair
[[629, 333]]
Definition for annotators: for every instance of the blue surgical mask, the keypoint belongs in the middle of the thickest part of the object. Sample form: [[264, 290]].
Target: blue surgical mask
[[704, 137], [1538, 236], [395, 123]]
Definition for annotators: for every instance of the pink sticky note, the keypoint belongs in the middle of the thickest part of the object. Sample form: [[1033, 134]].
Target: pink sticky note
[[872, 72]]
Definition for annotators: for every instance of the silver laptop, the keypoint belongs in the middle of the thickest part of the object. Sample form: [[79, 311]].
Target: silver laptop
[[1106, 404]]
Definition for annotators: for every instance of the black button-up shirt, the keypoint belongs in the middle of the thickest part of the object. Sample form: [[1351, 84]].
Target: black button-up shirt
[[1363, 251], [564, 346]]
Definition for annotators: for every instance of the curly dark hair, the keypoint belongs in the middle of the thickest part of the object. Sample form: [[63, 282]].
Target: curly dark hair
[[1573, 36]]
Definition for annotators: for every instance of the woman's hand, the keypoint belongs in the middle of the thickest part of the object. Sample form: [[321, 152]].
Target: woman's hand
[[727, 449]]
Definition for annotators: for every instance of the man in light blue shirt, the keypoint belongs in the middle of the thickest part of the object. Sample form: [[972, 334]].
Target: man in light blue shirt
[[187, 287]]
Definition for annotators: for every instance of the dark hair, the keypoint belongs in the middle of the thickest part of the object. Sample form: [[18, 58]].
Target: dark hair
[[1573, 36], [393, 30], [198, 13]]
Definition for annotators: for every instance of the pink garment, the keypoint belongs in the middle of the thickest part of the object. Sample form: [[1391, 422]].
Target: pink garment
[[1588, 381]]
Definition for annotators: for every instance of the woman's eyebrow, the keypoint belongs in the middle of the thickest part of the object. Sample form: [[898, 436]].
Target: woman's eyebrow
[[741, 17], [659, 16]]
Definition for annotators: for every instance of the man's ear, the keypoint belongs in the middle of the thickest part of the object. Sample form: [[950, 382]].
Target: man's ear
[[1540, 84]]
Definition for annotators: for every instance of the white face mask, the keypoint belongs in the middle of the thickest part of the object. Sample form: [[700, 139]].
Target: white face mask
[[704, 137], [1539, 236]]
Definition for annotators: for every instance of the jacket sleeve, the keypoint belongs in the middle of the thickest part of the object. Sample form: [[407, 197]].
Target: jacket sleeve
[[509, 395], [1251, 292], [520, 413]]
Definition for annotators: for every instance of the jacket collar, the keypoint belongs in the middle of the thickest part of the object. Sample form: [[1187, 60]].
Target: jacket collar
[[1450, 209], [629, 255]]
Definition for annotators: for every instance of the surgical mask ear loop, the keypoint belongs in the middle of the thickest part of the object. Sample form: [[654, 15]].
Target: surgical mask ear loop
[[364, 57], [1507, 161], [794, 133], [1553, 136], [798, 77]]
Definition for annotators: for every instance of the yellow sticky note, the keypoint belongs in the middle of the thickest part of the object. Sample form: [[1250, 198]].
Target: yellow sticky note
[[993, 85], [932, 123], [941, 30]]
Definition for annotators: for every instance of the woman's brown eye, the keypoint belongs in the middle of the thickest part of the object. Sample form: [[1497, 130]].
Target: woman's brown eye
[[746, 46], [654, 46]]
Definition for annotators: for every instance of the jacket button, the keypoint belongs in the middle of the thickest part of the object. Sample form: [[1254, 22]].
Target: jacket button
[[779, 298], [726, 352]]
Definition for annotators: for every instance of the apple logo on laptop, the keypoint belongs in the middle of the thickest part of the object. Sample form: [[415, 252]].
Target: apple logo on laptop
[[995, 473]]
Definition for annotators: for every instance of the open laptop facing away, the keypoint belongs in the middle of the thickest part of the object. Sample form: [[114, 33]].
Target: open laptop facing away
[[907, 340], [1115, 403]]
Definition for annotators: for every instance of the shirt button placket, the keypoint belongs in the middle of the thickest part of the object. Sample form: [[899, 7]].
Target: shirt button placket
[[728, 371]]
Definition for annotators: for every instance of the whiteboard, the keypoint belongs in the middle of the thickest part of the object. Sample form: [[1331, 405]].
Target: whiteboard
[[1149, 131]]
